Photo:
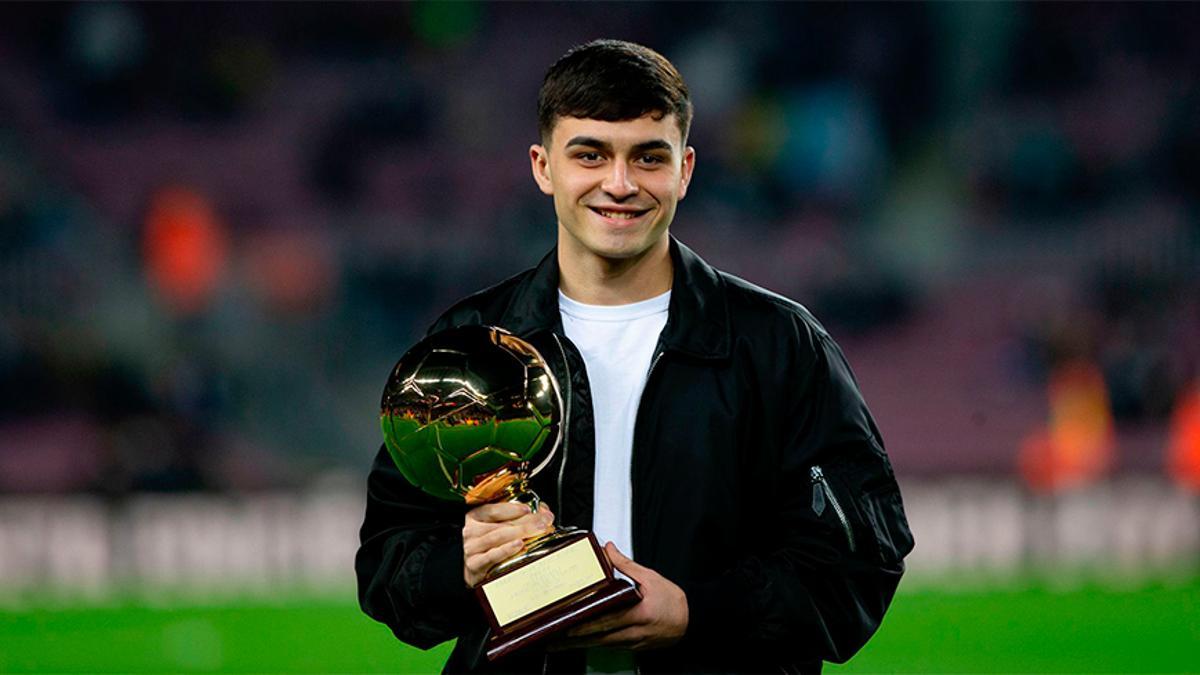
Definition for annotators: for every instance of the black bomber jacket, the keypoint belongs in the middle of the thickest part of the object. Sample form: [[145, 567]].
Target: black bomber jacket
[[760, 486]]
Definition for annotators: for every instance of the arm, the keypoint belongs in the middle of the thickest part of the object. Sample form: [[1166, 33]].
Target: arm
[[804, 593], [410, 561], [420, 556]]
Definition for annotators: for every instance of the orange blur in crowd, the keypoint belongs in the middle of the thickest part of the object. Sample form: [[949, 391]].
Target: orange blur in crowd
[[1077, 446], [1183, 450], [185, 249]]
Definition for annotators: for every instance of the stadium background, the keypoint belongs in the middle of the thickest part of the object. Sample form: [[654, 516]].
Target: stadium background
[[221, 224]]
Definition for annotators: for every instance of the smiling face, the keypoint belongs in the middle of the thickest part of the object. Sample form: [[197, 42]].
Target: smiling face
[[615, 184]]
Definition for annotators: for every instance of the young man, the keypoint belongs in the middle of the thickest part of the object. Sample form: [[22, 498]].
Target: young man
[[713, 432]]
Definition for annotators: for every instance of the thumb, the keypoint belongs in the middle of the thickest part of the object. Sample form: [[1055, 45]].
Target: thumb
[[623, 562]]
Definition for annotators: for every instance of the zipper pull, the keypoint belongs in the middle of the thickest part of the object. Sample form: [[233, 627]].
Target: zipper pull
[[822, 493], [818, 488]]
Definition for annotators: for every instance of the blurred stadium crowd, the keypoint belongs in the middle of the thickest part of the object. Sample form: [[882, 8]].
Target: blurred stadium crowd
[[221, 224]]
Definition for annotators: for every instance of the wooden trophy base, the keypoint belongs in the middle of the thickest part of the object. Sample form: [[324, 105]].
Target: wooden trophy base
[[561, 583]]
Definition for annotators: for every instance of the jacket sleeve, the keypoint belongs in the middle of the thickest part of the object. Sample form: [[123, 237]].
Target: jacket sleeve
[[410, 561], [818, 584]]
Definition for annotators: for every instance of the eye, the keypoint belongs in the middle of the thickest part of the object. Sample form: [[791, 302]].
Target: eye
[[588, 157], [651, 160]]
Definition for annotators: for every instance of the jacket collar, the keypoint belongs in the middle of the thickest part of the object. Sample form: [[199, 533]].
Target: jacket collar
[[697, 318]]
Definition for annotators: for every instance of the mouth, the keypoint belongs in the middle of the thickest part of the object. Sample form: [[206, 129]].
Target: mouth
[[623, 214]]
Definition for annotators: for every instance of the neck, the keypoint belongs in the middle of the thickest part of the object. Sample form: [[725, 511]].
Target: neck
[[594, 280]]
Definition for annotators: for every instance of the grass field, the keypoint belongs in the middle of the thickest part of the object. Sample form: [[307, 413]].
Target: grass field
[[1031, 629]]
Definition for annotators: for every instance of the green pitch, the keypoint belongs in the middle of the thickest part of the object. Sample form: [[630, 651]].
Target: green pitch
[[1033, 629], [1087, 630]]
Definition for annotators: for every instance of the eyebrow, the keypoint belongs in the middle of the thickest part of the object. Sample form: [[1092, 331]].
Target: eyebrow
[[645, 146]]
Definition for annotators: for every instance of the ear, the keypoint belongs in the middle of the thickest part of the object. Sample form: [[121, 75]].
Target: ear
[[689, 164], [539, 163]]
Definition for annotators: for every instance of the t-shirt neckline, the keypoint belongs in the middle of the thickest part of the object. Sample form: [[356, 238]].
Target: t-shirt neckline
[[628, 312]]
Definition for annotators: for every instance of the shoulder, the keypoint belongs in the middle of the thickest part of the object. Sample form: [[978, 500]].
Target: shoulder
[[786, 343], [754, 310]]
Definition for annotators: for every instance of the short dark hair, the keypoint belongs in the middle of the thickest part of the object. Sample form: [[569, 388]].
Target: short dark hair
[[613, 80]]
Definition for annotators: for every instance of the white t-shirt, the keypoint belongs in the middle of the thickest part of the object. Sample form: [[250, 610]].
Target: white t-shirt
[[617, 343]]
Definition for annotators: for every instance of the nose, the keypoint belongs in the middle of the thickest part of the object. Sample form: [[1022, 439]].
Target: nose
[[618, 183]]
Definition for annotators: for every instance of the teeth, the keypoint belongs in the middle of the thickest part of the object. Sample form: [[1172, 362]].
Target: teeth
[[622, 215]]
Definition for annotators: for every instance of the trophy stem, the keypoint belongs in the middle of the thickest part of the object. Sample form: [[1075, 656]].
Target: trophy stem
[[518, 491]]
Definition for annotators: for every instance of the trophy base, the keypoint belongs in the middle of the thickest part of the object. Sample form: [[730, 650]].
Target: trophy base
[[607, 596], [567, 581]]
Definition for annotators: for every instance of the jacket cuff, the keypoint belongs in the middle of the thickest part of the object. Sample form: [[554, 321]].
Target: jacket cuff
[[439, 586]]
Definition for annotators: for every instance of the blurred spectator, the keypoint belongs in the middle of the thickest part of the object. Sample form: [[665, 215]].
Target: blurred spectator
[[1183, 451]]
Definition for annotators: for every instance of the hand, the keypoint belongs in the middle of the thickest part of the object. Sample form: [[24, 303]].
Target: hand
[[659, 620], [493, 532]]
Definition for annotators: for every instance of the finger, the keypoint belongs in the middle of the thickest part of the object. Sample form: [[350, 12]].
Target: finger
[[534, 523], [603, 624], [625, 564], [523, 528], [484, 536], [527, 521], [472, 526], [479, 564], [494, 538], [626, 637], [498, 513]]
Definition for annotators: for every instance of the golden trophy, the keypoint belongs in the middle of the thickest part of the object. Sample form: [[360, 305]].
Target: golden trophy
[[469, 415]]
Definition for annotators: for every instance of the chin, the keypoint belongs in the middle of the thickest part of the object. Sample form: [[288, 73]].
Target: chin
[[614, 245], [621, 249]]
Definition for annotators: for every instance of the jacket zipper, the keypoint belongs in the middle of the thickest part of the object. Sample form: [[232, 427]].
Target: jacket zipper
[[566, 424], [649, 373], [826, 493]]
